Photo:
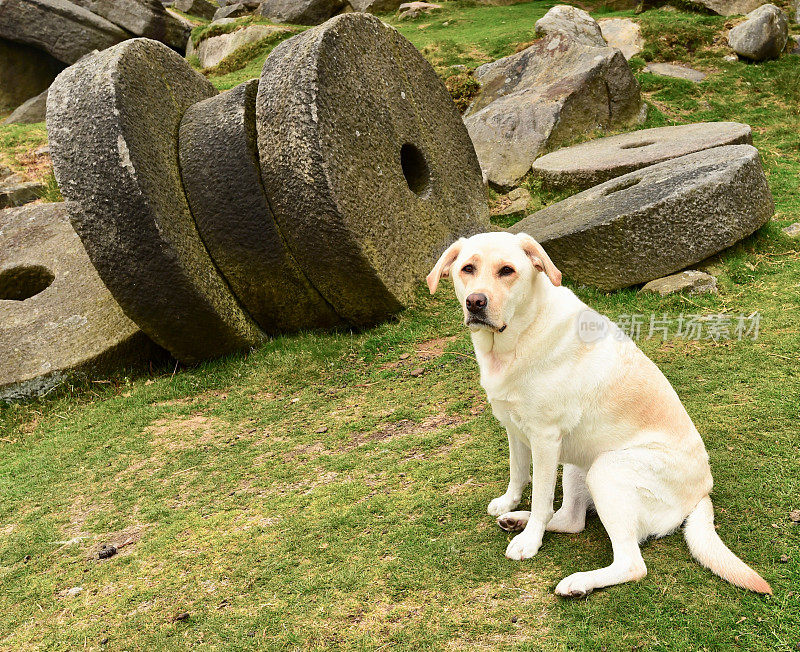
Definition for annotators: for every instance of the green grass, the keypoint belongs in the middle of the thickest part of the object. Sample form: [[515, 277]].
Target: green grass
[[317, 494]]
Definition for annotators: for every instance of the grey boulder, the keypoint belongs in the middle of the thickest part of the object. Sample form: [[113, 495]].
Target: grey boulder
[[219, 163], [214, 50], [203, 8], [368, 168], [690, 281], [596, 161], [146, 18], [56, 316], [34, 110], [14, 192], [762, 36], [623, 34], [729, 7], [375, 6], [536, 100], [657, 220], [573, 23], [300, 12], [121, 110], [236, 10], [60, 28], [675, 71]]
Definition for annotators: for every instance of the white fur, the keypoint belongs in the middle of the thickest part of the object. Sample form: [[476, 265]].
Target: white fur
[[601, 409]]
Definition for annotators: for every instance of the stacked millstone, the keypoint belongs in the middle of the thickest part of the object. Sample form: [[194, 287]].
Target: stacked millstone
[[656, 201], [315, 197]]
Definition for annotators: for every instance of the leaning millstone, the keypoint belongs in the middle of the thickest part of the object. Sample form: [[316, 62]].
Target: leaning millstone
[[24, 73], [299, 12], [212, 51], [219, 163], [675, 71], [56, 315], [231, 11], [762, 36], [572, 22], [29, 112], [19, 193], [60, 28], [113, 124], [551, 93], [657, 220], [688, 282], [622, 34], [595, 161], [367, 164]]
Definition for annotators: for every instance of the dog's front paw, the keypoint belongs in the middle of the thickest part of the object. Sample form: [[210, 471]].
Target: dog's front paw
[[577, 585], [523, 546], [502, 505]]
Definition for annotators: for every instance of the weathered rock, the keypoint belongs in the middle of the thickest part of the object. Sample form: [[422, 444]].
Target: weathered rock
[[212, 51], [676, 71], [29, 112], [796, 47], [60, 28], [146, 18], [596, 161], [729, 7], [571, 22], [219, 162], [5, 172], [762, 36], [416, 9], [796, 10], [687, 282], [121, 110], [56, 315], [232, 11], [18, 193], [24, 73], [793, 230], [375, 6], [623, 34], [536, 100], [203, 8], [366, 162], [657, 220], [518, 198], [300, 12]]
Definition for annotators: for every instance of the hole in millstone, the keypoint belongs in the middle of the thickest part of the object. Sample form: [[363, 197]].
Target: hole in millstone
[[623, 186], [415, 169], [24, 281], [638, 145]]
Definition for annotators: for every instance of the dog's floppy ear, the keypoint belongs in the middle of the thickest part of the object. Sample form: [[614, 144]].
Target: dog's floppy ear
[[442, 267], [539, 258]]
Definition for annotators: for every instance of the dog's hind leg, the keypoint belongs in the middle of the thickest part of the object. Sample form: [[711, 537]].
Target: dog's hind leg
[[613, 487], [571, 516]]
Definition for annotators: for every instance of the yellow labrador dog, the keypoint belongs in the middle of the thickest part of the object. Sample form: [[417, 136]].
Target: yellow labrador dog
[[597, 405]]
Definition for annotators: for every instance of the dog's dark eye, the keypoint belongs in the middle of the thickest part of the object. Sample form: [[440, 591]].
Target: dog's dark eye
[[505, 270], [468, 269]]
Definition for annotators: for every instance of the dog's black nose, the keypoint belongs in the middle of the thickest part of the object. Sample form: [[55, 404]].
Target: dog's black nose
[[476, 302]]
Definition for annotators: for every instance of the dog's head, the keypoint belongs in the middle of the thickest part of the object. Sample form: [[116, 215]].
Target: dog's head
[[493, 274]]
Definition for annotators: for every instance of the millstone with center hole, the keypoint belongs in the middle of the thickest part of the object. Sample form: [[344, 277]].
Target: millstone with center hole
[[55, 313], [113, 122], [219, 164], [367, 165], [596, 161], [657, 220]]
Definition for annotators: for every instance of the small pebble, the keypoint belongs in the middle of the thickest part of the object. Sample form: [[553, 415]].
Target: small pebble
[[405, 356], [794, 516], [181, 617], [107, 551], [514, 619], [321, 429], [416, 373], [784, 559], [103, 641]]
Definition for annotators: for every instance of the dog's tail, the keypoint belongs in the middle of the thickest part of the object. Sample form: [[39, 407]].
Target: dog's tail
[[707, 548]]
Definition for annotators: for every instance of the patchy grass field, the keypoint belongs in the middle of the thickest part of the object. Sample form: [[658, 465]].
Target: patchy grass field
[[329, 490]]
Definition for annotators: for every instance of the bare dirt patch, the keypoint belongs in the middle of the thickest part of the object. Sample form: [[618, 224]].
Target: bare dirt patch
[[183, 433], [389, 431], [434, 348]]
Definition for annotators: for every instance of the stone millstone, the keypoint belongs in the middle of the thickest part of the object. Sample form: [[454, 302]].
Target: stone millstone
[[657, 220], [55, 313], [596, 161], [219, 162], [113, 123], [367, 164]]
